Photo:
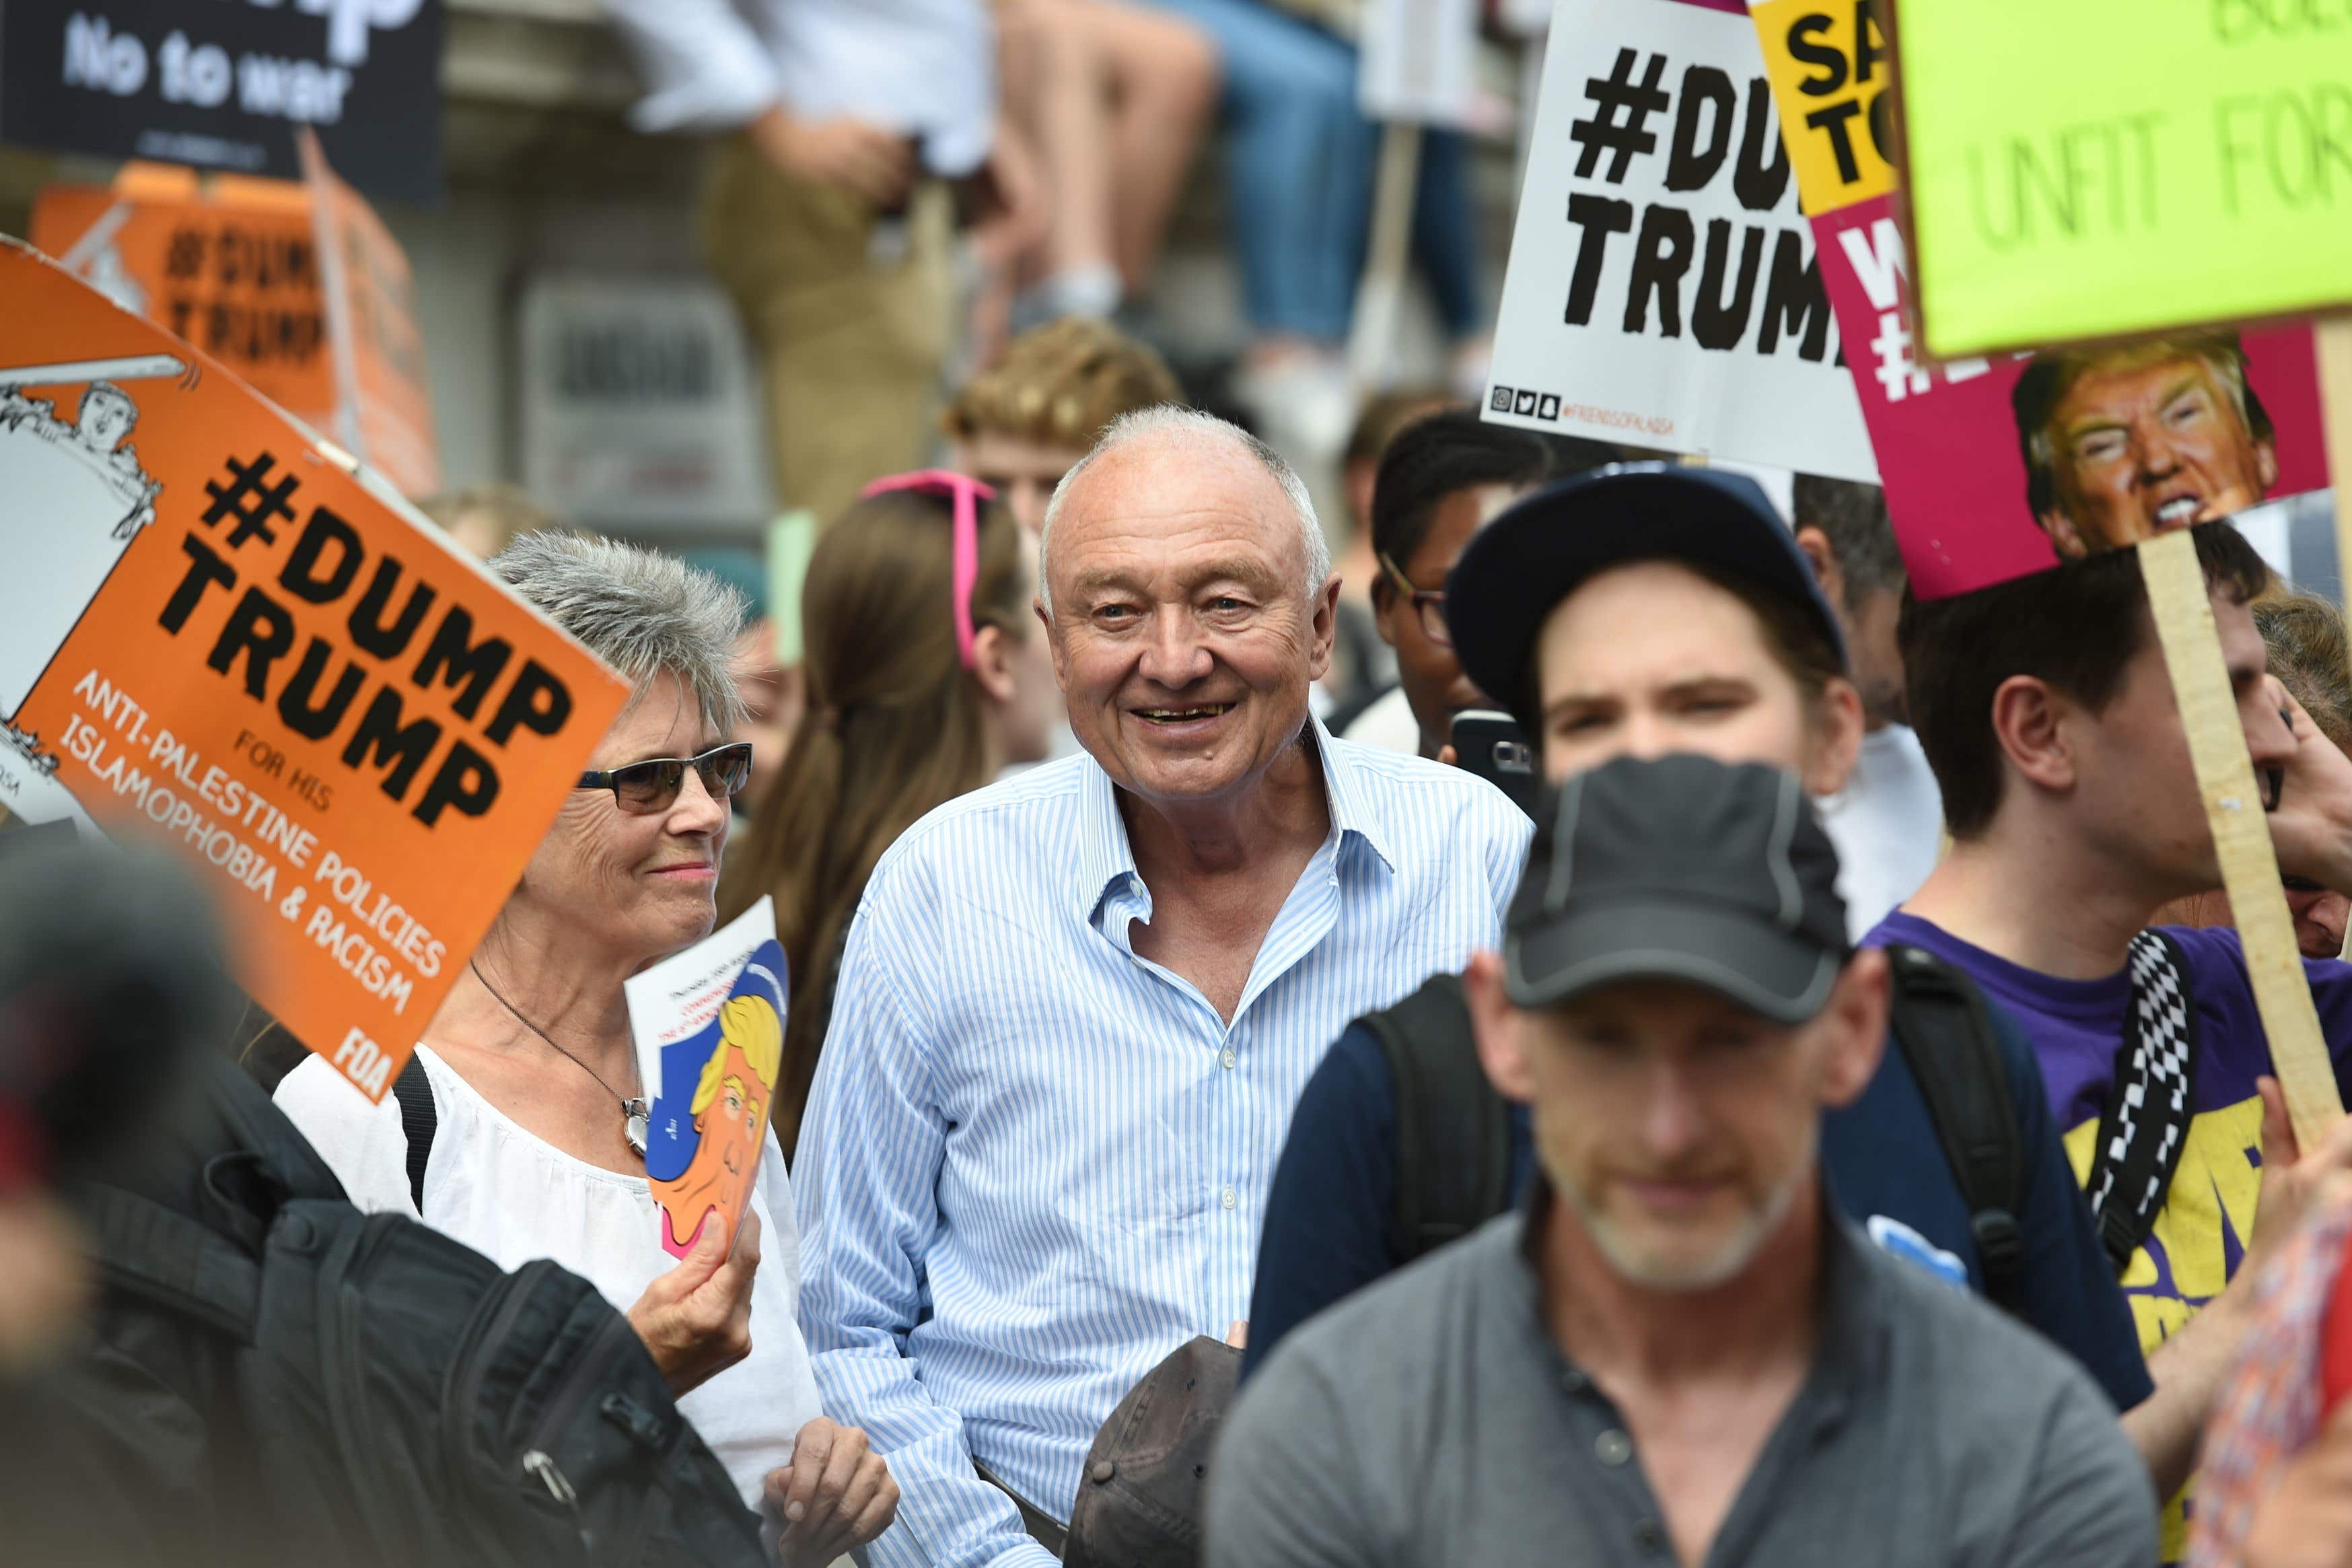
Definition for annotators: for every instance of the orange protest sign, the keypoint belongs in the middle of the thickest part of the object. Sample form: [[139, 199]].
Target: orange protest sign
[[218, 635], [297, 288]]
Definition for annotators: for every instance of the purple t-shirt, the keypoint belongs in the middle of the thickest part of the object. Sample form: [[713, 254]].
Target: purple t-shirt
[[2077, 1030]]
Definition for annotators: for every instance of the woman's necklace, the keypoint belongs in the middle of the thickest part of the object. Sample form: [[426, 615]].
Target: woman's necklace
[[635, 1117]]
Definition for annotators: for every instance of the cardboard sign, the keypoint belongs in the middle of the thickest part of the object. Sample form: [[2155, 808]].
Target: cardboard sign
[[710, 1028], [640, 406], [297, 289], [1662, 289], [218, 635], [228, 85], [2098, 168], [1995, 467]]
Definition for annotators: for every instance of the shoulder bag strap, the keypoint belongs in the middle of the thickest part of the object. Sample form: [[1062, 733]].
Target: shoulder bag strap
[[1453, 1131], [1947, 1037], [2144, 1125], [419, 1118]]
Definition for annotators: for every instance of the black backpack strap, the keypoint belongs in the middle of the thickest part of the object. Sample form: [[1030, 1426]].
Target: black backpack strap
[[2144, 1125], [419, 1118], [1947, 1037], [1453, 1131], [165, 1257]]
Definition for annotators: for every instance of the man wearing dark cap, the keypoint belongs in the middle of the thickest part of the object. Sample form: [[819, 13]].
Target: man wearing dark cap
[[1644, 610], [1679, 1350]]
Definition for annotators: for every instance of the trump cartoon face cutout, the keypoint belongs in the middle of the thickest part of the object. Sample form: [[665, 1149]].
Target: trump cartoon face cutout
[[711, 1121]]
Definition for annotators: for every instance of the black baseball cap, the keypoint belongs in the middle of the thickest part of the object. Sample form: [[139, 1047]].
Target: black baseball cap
[[1679, 867], [1548, 542]]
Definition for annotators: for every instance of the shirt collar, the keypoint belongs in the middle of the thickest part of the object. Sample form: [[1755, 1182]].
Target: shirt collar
[[1851, 1346], [1104, 858]]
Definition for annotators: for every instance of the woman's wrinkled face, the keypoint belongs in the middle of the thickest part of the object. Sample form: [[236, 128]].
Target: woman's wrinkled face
[[639, 886]]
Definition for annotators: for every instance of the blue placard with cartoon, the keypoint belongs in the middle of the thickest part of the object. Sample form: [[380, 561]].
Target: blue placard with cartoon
[[709, 1121]]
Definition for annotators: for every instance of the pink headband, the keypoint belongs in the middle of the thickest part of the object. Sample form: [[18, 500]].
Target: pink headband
[[967, 493]]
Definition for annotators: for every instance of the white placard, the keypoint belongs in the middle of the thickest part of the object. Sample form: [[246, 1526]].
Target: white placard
[[639, 406], [1661, 289], [1418, 61], [674, 998]]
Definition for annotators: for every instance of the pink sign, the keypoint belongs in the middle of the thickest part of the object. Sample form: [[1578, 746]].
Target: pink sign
[[1996, 468]]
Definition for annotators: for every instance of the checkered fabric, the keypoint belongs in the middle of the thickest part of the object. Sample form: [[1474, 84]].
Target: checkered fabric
[[2147, 1120]]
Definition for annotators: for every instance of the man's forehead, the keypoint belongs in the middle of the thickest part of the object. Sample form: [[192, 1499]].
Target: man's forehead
[[2165, 377], [1157, 493]]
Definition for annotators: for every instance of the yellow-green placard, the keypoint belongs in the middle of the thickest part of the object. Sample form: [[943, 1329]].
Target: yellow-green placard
[[2096, 168]]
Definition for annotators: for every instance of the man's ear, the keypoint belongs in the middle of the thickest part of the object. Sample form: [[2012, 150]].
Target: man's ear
[[2028, 720], [1840, 726], [992, 663], [2266, 460], [1325, 626], [1818, 550], [1855, 1016], [1053, 645], [2064, 537], [1497, 1026]]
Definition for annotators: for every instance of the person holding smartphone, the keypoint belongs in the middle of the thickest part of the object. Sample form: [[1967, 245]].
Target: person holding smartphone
[[1443, 476]]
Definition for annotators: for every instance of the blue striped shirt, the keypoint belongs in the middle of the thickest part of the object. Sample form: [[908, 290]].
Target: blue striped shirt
[[1034, 1162]]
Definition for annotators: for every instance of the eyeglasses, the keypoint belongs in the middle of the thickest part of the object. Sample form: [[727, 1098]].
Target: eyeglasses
[[1429, 604], [644, 788], [967, 493]]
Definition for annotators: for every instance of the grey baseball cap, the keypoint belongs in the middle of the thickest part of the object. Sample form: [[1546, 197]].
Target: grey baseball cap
[[1679, 867]]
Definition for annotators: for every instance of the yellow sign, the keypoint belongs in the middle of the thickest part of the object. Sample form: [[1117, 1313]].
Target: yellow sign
[[1831, 68], [2100, 168]]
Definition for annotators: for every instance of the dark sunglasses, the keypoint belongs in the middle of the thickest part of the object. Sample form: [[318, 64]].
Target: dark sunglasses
[[643, 788]]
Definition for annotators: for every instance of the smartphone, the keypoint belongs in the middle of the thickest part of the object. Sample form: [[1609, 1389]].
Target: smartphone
[[1493, 746]]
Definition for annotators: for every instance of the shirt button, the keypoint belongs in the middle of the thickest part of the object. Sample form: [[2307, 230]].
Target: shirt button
[[1612, 1447], [1230, 1199], [1574, 1381], [1648, 1536], [1228, 1058]]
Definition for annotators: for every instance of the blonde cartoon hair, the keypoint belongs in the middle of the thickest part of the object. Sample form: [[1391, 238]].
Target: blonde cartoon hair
[[748, 1023]]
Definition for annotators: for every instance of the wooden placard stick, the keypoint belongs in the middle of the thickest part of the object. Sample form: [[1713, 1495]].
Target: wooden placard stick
[[2242, 839]]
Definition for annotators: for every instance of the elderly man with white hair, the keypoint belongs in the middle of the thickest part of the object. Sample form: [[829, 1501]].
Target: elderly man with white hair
[[1076, 1006]]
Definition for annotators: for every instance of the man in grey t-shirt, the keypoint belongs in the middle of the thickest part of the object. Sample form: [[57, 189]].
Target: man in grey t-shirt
[[1679, 1353]]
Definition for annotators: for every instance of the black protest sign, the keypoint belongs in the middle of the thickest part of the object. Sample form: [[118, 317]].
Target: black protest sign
[[226, 85]]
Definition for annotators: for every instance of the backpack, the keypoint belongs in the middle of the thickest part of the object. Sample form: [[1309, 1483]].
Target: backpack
[[1454, 1130], [298, 1382]]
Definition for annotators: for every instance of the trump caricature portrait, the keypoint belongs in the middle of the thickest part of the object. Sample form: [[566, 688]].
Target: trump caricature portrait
[[2122, 442]]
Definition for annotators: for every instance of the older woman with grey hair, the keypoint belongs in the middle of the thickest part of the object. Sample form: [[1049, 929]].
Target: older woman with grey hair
[[537, 1147]]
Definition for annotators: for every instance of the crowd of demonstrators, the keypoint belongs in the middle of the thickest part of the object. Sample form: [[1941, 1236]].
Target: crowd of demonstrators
[[918, 692], [1023, 423], [2046, 711], [1886, 821], [1641, 611], [1112, 98], [1441, 478], [2304, 637], [1681, 1350], [519, 1126], [1075, 1005]]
